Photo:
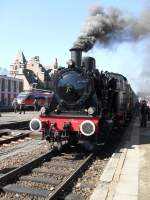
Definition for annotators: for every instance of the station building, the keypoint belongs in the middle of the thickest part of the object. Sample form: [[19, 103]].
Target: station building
[[24, 75], [9, 89], [32, 72]]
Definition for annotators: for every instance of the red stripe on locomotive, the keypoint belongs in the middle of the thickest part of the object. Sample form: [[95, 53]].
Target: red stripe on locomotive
[[74, 122]]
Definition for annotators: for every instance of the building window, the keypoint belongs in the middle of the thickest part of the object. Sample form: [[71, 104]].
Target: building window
[[9, 85], [15, 86], [3, 84], [20, 86], [2, 99]]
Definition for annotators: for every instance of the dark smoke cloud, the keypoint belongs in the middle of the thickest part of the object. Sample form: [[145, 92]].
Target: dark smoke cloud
[[107, 26]]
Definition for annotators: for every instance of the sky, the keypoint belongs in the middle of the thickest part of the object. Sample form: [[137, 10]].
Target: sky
[[48, 29]]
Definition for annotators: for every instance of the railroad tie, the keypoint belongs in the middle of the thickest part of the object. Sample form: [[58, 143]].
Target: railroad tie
[[4, 131], [63, 164], [55, 172], [25, 190], [50, 181]]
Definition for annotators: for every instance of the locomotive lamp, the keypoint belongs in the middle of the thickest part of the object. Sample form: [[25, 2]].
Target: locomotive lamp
[[91, 110], [87, 128], [35, 124]]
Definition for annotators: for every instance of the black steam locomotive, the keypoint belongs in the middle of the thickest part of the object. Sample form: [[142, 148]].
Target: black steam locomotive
[[87, 104]]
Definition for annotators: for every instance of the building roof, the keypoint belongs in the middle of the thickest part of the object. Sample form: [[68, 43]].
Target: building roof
[[30, 76], [21, 58], [10, 78]]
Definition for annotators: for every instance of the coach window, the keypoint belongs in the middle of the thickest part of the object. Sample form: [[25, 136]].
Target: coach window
[[30, 97], [121, 84]]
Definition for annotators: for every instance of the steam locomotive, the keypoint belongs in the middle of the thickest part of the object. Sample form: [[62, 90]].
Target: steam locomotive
[[87, 105]]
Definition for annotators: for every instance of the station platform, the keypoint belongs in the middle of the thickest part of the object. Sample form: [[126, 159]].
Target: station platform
[[13, 118], [126, 176]]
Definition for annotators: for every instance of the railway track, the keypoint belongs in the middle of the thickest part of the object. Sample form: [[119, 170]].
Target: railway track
[[7, 135], [45, 177], [15, 125]]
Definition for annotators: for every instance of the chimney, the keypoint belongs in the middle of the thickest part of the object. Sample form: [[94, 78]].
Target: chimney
[[76, 55]]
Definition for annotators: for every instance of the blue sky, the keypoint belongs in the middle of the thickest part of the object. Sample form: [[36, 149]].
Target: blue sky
[[48, 28]]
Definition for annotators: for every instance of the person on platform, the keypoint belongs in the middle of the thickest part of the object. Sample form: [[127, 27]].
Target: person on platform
[[42, 111], [36, 105], [137, 108], [21, 108], [15, 104], [144, 114]]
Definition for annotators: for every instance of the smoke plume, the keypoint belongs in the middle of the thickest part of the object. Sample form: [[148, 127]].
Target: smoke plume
[[144, 76], [3, 71], [107, 26]]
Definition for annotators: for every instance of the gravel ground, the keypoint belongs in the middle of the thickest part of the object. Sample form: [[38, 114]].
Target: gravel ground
[[22, 158], [19, 197], [86, 184], [12, 145], [83, 187], [65, 166], [18, 160]]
